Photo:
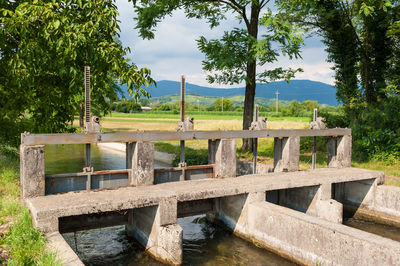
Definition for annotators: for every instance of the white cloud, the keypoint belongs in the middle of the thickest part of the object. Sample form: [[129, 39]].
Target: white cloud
[[173, 52]]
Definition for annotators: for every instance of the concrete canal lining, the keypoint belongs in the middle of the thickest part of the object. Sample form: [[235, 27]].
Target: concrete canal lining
[[313, 241]]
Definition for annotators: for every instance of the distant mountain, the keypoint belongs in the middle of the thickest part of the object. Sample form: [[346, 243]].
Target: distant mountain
[[299, 90]]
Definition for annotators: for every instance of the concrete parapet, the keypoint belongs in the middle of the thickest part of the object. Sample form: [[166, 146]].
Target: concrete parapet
[[312, 241], [222, 152], [156, 228], [32, 175], [141, 157], [286, 154], [339, 151]]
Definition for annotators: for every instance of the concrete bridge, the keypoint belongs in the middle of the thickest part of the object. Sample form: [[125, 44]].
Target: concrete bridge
[[298, 214]]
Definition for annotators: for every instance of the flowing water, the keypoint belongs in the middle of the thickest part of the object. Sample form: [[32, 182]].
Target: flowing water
[[203, 243]]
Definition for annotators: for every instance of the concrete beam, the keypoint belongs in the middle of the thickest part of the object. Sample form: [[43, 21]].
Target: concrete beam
[[32, 175], [142, 163], [339, 151], [286, 154], [81, 138], [310, 240], [156, 228]]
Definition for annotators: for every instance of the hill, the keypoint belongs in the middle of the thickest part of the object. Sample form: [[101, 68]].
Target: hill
[[299, 90]]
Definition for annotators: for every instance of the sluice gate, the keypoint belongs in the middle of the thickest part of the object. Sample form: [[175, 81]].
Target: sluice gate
[[295, 213]]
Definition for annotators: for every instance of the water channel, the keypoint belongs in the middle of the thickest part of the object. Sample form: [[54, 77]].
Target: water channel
[[203, 243]]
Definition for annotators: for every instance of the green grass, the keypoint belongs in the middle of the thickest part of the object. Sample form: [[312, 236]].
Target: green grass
[[141, 121], [25, 244]]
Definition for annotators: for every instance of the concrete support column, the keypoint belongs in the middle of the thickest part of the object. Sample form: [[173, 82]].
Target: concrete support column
[[156, 228], [141, 157], [339, 151], [32, 176], [286, 154], [327, 208], [222, 152], [233, 210], [212, 148], [130, 148]]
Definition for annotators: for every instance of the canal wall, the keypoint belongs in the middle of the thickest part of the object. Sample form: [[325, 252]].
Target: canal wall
[[312, 241]]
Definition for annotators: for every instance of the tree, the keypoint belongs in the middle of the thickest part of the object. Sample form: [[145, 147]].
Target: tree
[[223, 104], [355, 33], [362, 38], [44, 46], [233, 58]]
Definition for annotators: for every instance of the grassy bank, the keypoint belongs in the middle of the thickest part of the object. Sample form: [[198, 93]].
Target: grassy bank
[[20, 242]]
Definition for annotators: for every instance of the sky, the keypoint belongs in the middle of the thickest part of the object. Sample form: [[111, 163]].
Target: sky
[[173, 52]]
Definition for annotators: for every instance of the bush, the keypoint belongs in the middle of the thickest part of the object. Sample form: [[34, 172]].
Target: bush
[[126, 106]]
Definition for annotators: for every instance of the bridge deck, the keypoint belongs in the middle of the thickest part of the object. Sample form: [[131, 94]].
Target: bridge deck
[[48, 209]]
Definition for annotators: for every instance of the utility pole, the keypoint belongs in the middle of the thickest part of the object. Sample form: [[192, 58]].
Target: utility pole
[[222, 103], [182, 143], [277, 101]]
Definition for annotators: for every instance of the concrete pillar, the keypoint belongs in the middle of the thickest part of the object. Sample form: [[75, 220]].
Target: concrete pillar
[[286, 154], [32, 176], [233, 210], [130, 148], [156, 228], [142, 163], [327, 208], [339, 151], [223, 154], [212, 147]]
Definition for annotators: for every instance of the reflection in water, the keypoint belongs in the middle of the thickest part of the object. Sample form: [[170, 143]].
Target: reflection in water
[[71, 158], [374, 228], [203, 244]]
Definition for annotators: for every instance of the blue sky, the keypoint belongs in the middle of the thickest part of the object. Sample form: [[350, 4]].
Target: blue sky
[[173, 52]]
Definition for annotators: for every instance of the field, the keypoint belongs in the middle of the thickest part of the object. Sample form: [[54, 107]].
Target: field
[[214, 121]]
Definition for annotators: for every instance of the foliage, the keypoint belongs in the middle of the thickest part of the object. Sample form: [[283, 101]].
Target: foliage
[[44, 46], [233, 58], [126, 106], [223, 104], [362, 39], [358, 42], [192, 156], [376, 130], [26, 244]]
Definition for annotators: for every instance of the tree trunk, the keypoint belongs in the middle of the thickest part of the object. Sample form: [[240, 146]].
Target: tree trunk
[[251, 78]]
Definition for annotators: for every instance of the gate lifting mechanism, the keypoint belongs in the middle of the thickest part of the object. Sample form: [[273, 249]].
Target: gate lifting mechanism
[[92, 124]]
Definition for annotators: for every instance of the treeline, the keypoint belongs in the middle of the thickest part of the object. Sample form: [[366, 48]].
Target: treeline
[[291, 109]]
